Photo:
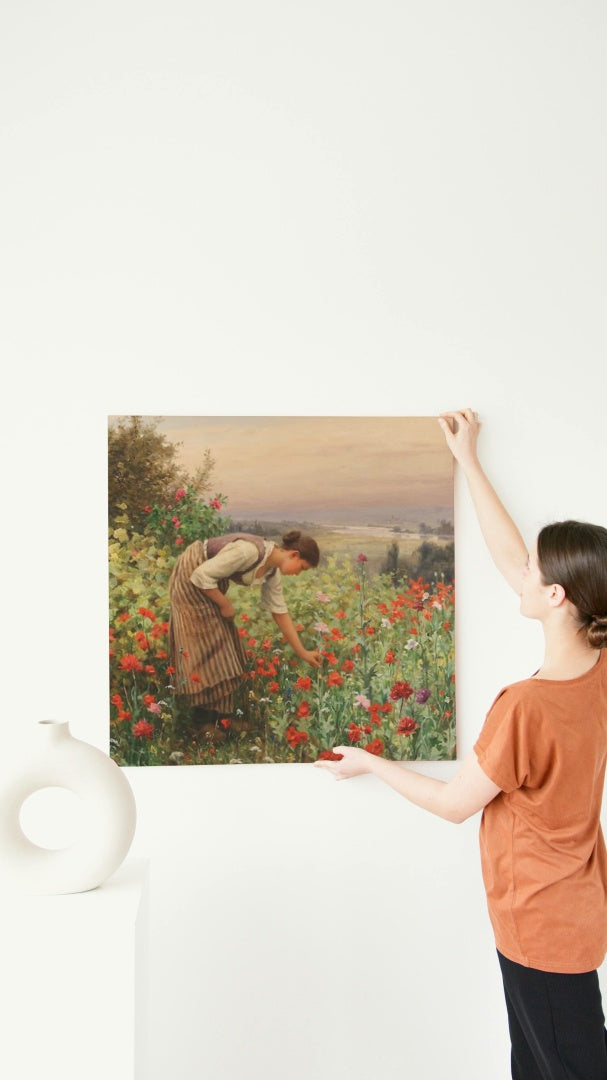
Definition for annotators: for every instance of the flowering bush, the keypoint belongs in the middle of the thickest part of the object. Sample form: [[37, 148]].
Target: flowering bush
[[185, 519]]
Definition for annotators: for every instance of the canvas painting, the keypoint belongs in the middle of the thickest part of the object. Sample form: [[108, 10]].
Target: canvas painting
[[279, 586]]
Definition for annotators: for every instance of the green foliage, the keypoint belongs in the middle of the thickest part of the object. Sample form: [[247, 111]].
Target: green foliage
[[186, 518], [430, 560], [143, 469]]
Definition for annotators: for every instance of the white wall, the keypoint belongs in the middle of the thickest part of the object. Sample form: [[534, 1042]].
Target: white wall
[[387, 208]]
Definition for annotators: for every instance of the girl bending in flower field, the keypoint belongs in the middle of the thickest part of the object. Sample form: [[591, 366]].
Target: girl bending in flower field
[[206, 650], [537, 772]]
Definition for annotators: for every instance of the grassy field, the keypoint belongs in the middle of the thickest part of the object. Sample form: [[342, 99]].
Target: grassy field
[[349, 541]]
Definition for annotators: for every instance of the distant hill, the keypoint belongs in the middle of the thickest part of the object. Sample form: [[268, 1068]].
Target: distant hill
[[407, 517]]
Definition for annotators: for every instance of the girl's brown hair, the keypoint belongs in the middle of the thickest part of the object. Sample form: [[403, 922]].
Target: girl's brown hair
[[305, 545], [574, 554]]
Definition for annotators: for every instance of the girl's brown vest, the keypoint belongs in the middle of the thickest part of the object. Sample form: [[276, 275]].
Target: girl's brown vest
[[216, 543]]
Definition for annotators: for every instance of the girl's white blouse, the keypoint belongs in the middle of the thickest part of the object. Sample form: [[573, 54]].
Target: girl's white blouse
[[231, 559]]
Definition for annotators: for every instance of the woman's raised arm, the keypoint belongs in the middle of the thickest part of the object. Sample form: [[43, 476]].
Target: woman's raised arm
[[506, 545]]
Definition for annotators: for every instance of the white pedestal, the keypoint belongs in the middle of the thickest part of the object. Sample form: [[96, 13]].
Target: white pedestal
[[73, 981]]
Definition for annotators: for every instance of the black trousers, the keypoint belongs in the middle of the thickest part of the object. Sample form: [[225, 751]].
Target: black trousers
[[557, 1026]]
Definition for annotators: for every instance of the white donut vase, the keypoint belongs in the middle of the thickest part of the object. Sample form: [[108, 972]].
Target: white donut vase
[[109, 813]]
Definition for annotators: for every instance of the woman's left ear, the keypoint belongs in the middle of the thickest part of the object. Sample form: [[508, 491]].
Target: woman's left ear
[[557, 595]]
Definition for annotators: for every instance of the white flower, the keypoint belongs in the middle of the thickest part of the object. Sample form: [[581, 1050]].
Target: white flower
[[412, 643]]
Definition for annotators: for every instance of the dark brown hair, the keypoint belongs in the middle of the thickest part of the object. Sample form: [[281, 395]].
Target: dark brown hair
[[305, 545], [574, 554]]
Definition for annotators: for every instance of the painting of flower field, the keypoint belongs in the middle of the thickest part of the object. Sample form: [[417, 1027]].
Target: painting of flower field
[[379, 608]]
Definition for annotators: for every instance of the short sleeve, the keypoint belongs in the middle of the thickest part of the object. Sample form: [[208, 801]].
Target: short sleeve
[[502, 748], [238, 555], [272, 596]]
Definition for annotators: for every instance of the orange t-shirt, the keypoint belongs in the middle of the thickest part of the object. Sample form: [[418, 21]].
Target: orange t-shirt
[[543, 854]]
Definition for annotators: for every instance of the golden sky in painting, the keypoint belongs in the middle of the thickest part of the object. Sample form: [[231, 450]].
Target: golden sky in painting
[[299, 465]]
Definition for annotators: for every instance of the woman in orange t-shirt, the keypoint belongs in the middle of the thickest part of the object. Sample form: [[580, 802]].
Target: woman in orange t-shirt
[[537, 772]]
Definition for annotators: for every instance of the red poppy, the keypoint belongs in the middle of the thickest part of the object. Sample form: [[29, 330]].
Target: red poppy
[[304, 709], [328, 755], [407, 726], [131, 663], [401, 691], [116, 700], [124, 617], [295, 737], [390, 658], [304, 682], [143, 730], [354, 733], [375, 747], [273, 687], [170, 671], [225, 723], [195, 677], [347, 665], [334, 679]]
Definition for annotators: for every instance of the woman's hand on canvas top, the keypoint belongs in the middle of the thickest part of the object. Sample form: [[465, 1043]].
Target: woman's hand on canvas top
[[354, 762], [461, 430], [312, 657]]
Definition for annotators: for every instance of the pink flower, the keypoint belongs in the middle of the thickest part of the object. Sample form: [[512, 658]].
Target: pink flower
[[324, 599], [180, 493], [155, 708], [363, 701], [362, 558], [215, 503]]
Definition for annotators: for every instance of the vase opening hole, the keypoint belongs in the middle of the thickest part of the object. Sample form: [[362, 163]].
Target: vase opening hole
[[52, 817]]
